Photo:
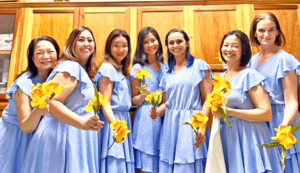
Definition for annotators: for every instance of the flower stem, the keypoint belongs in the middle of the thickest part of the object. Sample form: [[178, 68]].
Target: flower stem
[[110, 146]]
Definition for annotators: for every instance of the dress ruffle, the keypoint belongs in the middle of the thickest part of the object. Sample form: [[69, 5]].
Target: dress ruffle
[[23, 82], [107, 70], [287, 63], [75, 70], [200, 66]]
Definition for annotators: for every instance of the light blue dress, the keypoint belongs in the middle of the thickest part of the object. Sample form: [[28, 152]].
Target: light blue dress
[[120, 158], [274, 69], [183, 98], [13, 141], [146, 131], [57, 147], [240, 142]]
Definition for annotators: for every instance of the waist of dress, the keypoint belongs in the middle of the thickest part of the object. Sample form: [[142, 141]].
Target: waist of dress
[[193, 109], [231, 120]]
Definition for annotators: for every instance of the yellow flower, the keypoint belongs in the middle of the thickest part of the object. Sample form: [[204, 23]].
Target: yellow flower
[[52, 87], [285, 136], [37, 96], [117, 124], [221, 82], [121, 133], [157, 96], [94, 102], [216, 99], [149, 97], [219, 57], [142, 73], [199, 119], [103, 99]]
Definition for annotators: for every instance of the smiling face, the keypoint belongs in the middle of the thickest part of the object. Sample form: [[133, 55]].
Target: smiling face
[[266, 32], [84, 46], [119, 48], [232, 49], [45, 55], [150, 44], [177, 44]]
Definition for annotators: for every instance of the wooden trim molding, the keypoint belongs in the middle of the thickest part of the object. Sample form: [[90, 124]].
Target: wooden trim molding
[[274, 7], [138, 3]]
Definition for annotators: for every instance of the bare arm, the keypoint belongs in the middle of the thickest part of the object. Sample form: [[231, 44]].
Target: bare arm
[[106, 89], [289, 85], [28, 119], [64, 114], [263, 110], [137, 97]]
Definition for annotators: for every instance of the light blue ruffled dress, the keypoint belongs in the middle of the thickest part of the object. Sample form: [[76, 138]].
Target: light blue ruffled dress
[[274, 69], [146, 131], [183, 98], [57, 147], [13, 141], [240, 142], [120, 158]]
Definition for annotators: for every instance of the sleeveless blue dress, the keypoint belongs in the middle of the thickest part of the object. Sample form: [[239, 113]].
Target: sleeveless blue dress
[[183, 98], [239, 142], [274, 69], [13, 141], [59, 147], [120, 158], [146, 131]]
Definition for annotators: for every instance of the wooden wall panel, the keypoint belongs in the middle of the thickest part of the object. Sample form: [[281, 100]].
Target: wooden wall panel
[[288, 18], [102, 21], [209, 25], [162, 20]]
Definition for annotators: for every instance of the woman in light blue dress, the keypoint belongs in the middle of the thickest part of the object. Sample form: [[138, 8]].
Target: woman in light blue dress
[[66, 140], [19, 120], [282, 73], [187, 84], [148, 56], [111, 80], [247, 109]]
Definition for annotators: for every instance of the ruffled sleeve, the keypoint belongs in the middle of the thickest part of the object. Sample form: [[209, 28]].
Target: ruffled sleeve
[[23, 82], [75, 70], [287, 63], [162, 82], [250, 80], [135, 68], [199, 67], [107, 70]]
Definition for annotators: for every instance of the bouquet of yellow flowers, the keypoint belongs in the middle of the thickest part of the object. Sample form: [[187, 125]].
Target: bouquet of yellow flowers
[[198, 121], [98, 100], [40, 92], [154, 97], [216, 99], [121, 132], [285, 138], [142, 74]]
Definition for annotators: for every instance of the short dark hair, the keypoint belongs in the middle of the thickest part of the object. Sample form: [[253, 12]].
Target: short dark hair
[[280, 38], [140, 56], [123, 67], [171, 59], [32, 69], [246, 49]]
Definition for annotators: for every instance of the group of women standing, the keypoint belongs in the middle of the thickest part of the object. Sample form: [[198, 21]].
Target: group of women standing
[[69, 139]]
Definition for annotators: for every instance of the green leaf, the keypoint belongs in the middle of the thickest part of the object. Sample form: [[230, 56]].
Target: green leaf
[[185, 123], [270, 145], [143, 89], [224, 116], [97, 97], [100, 64], [194, 117], [283, 154], [295, 127], [95, 109], [19, 92], [153, 102]]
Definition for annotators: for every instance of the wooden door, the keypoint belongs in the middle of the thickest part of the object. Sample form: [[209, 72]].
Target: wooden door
[[57, 23], [102, 21], [162, 19]]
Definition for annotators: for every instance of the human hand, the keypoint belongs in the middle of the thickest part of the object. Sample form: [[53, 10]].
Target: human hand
[[91, 123], [200, 138], [41, 111], [153, 113]]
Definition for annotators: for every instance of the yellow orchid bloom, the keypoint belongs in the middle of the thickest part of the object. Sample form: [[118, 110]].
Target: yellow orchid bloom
[[157, 96], [149, 97], [102, 99], [216, 99], [52, 87], [285, 136], [117, 124], [121, 133], [142, 73], [221, 82], [37, 96]]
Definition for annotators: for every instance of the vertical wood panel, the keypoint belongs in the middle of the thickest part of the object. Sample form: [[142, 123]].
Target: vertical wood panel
[[162, 20], [102, 21], [210, 24], [288, 18]]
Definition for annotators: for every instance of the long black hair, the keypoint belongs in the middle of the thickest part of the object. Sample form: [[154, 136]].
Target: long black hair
[[140, 56], [171, 59]]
